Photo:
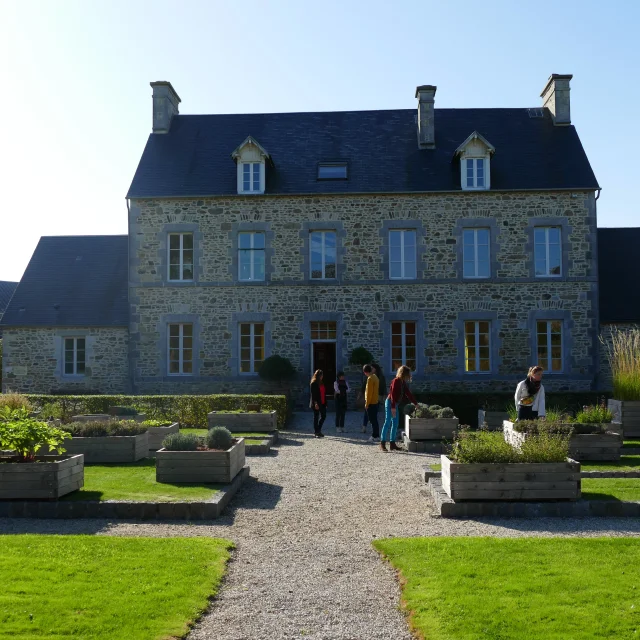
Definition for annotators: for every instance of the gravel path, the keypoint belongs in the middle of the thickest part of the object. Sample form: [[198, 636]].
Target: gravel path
[[303, 525]]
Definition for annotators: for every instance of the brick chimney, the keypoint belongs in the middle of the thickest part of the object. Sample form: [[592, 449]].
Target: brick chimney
[[555, 96], [426, 130], [165, 106]]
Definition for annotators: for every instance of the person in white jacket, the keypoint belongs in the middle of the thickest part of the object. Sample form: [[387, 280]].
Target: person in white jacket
[[530, 396]]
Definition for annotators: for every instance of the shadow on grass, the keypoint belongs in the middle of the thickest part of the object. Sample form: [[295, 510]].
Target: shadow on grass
[[586, 495]]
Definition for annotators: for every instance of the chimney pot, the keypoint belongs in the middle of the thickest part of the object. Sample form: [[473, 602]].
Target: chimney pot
[[426, 112], [555, 97], [165, 105]]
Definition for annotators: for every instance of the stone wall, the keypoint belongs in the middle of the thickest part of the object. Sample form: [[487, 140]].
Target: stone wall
[[32, 361], [362, 300], [605, 382]]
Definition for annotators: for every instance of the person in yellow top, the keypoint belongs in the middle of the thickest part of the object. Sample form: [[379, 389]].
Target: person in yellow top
[[371, 394]]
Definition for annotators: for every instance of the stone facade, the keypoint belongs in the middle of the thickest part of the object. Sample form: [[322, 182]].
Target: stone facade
[[362, 300], [605, 381], [32, 360]]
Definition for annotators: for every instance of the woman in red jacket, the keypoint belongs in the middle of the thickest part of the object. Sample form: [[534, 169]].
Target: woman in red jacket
[[399, 394]]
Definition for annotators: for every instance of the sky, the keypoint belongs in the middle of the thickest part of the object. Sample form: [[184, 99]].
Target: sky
[[75, 112]]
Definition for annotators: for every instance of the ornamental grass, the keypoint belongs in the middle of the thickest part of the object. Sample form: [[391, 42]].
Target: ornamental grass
[[623, 353]]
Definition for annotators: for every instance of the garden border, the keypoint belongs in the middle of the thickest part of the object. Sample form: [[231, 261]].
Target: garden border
[[427, 473], [64, 509]]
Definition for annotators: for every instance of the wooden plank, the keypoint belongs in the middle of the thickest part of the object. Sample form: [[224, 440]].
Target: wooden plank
[[481, 487], [516, 477], [552, 467], [516, 495]]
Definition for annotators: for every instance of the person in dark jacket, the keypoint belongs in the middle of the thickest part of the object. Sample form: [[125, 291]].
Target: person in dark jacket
[[340, 389], [318, 402]]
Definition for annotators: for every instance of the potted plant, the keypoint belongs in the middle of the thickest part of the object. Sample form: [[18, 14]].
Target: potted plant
[[158, 430], [483, 466], [25, 474], [589, 433], [623, 353], [430, 422], [109, 440], [219, 457]]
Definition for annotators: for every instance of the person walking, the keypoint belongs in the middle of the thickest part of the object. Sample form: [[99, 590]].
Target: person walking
[[371, 392], [382, 385], [399, 395], [318, 403], [530, 395], [340, 388]]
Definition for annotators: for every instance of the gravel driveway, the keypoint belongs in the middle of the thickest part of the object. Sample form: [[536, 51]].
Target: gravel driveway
[[303, 525]]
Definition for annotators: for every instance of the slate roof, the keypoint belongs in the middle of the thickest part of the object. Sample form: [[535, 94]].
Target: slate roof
[[73, 281], [194, 158], [619, 273], [6, 291]]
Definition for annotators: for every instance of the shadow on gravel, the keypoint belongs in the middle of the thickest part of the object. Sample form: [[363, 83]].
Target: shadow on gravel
[[255, 495], [283, 441]]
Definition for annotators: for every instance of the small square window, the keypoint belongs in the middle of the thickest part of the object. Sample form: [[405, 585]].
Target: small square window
[[332, 171]]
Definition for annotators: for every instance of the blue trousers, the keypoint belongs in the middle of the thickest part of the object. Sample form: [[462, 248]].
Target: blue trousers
[[390, 423]]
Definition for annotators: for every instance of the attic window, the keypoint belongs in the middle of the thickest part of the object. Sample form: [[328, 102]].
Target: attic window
[[332, 171], [535, 113]]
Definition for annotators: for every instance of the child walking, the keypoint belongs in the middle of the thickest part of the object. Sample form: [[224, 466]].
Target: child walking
[[340, 388]]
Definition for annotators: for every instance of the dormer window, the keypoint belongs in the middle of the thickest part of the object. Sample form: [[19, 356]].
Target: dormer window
[[475, 162], [332, 171], [251, 159]]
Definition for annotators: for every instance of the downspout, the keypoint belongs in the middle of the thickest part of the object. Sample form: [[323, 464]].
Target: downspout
[[130, 349], [597, 379]]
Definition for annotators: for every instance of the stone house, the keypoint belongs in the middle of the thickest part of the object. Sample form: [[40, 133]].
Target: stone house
[[462, 242], [6, 291]]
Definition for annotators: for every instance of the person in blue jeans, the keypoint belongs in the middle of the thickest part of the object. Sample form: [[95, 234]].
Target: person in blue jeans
[[399, 394]]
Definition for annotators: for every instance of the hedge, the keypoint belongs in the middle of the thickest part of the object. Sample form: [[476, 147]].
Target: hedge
[[189, 411]]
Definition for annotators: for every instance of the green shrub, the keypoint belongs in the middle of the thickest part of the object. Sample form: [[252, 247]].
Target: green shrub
[[104, 428], [545, 447], [219, 438], [181, 442], [360, 356], [276, 368], [594, 415], [426, 412], [423, 412], [155, 423], [556, 414], [543, 426], [123, 411], [435, 407], [27, 436], [513, 412], [445, 412], [14, 401]]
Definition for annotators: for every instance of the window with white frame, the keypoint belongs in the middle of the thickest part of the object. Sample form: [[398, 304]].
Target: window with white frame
[[403, 345], [180, 349], [475, 248], [475, 177], [251, 252], [549, 339], [548, 251], [180, 256], [477, 346], [75, 357], [251, 347], [252, 177], [322, 246], [402, 254]]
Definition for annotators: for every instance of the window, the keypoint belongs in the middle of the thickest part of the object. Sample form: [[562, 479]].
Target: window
[[475, 246], [323, 330], [251, 182], [402, 254], [332, 171], [323, 254], [549, 339], [403, 345], [74, 356], [251, 347], [180, 256], [180, 349], [250, 256], [475, 174], [477, 343], [548, 251]]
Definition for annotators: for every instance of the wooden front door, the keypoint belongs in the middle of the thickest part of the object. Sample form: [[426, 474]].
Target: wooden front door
[[324, 357]]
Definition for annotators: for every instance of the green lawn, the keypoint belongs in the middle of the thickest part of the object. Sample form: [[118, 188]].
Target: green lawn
[[631, 443], [611, 489], [626, 463], [136, 481], [107, 588], [252, 437], [520, 589]]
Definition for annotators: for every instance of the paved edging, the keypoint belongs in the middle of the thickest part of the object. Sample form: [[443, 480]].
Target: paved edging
[[126, 510], [447, 508]]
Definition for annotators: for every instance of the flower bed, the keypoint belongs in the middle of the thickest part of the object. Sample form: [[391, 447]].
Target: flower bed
[[244, 421], [430, 423], [108, 441]]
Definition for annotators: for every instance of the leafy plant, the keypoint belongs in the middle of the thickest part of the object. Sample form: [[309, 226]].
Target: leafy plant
[[545, 447], [430, 412], [513, 412], [556, 414], [219, 438], [26, 436], [181, 442], [360, 356], [623, 353], [14, 401], [155, 423], [594, 415], [104, 428], [276, 368]]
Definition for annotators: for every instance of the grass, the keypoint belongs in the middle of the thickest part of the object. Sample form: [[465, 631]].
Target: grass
[[136, 482], [611, 489], [524, 589], [631, 443], [623, 353], [626, 463], [251, 437], [107, 588]]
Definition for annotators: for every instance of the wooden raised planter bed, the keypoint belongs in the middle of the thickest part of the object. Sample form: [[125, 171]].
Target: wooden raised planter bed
[[110, 448], [430, 428], [239, 422], [511, 481], [200, 466], [494, 419], [158, 434], [627, 414], [49, 478], [582, 446]]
